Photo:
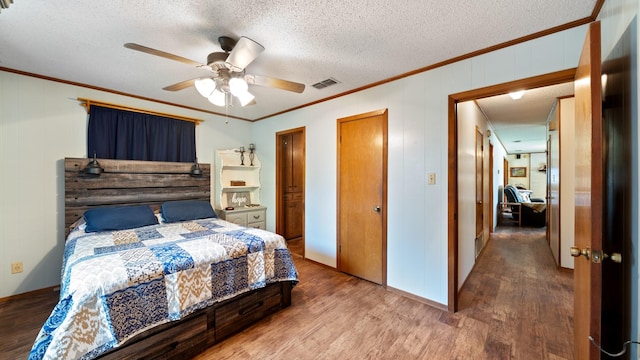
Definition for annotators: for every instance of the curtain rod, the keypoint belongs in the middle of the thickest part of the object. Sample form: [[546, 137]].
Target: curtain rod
[[88, 102]]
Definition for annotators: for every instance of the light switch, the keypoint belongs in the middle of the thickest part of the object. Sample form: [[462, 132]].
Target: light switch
[[431, 178]]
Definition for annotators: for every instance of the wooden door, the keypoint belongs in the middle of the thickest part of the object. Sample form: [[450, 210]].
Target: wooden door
[[603, 280], [362, 174], [287, 162], [588, 195], [479, 184], [292, 160], [505, 172], [290, 150]]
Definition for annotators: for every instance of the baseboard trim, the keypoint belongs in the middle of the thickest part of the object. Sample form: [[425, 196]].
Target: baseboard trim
[[321, 264], [55, 288], [420, 299]]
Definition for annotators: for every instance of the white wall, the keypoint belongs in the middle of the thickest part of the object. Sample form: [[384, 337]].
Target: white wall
[[418, 132], [567, 180], [524, 161], [41, 123], [553, 169], [537, 179], [499, 154], [469, 117], [615, 16]]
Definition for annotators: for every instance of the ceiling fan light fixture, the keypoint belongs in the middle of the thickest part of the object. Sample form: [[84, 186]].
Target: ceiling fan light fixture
[[516, 95], [205, 86], [217, 98], [245, 98], [243, 53], [238, 86]]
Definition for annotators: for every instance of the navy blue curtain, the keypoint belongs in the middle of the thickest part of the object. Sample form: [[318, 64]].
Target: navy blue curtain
[[127, 135]]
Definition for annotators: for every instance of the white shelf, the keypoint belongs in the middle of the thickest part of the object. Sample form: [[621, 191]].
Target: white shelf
[[239, 188], [228, 168], [239, 167]]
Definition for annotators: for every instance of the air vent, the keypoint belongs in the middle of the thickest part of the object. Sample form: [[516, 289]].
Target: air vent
[[325, 83]]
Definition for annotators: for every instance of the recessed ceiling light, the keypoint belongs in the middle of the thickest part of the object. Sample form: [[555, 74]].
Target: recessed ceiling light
[[516, 95]]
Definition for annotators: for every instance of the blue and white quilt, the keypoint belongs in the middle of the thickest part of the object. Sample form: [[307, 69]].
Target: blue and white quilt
[[118, 284]]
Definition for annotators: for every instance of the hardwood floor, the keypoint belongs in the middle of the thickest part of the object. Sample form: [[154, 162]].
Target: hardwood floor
[[20, 322], [514, 305], [296, 247]]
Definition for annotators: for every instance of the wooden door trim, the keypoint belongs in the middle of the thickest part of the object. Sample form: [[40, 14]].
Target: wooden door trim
[[384, 113], [452, 171], [479, 140], [491, 207], [279, 192]]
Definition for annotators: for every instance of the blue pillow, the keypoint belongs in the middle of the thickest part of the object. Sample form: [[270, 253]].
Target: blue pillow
[[119, 218], [183, 210]]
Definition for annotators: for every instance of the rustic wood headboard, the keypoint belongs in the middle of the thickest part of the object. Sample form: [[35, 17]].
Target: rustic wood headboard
[[130, 182]]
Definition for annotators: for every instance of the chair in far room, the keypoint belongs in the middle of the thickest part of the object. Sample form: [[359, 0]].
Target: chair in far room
[[529, 213]]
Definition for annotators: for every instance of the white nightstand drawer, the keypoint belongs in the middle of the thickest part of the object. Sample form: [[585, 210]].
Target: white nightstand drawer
[[239, 219], [256, 216]]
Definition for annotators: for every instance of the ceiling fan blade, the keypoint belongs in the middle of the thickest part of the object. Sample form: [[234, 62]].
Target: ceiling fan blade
[[243, 53], [163, 54], [180, 86], [274, 83]]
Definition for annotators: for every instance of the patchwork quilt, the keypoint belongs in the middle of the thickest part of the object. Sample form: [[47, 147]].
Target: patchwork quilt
[[118, 284]]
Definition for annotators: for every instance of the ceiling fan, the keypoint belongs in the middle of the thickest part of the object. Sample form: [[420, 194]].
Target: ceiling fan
[[229, 79]]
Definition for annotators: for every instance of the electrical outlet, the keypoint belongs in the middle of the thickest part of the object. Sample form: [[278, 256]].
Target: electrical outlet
[[431, 178], [16, 267]]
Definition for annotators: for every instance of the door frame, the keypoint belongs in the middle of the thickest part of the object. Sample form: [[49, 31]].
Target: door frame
[[279, 192], [491, 207], [385, 126], [452, 197]]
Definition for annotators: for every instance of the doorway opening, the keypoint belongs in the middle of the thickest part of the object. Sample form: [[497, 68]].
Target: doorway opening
[[453, 146], [290, 186]]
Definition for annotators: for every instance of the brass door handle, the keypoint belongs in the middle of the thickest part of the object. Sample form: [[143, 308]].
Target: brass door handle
[[376, 208], [596, 256], [577, 252]]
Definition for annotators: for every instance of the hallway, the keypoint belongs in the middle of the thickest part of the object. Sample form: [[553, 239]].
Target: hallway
[[517, 290]]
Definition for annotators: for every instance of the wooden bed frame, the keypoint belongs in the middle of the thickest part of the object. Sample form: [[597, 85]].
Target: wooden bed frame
[[126, 182]]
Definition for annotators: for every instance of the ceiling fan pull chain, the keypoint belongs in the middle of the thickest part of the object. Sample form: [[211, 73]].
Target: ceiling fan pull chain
[[226, 108]]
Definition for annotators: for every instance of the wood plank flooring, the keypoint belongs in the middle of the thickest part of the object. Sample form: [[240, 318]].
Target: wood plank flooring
[[296, 247], [514, 305]]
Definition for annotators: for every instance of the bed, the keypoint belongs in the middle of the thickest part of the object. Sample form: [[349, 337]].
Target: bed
[[155, 274]]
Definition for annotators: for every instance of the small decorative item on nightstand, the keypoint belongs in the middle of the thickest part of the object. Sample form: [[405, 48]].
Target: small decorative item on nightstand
[[238, 199], [252, 147]]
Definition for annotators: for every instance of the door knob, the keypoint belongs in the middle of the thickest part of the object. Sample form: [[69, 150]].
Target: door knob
[[596, 256], [376, 208], [577, 252], [616, 257]]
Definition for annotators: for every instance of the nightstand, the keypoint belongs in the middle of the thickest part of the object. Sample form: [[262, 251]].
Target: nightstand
[[255, 217]]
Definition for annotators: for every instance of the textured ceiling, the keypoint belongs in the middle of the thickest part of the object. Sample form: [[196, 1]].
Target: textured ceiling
[[357, 42]]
